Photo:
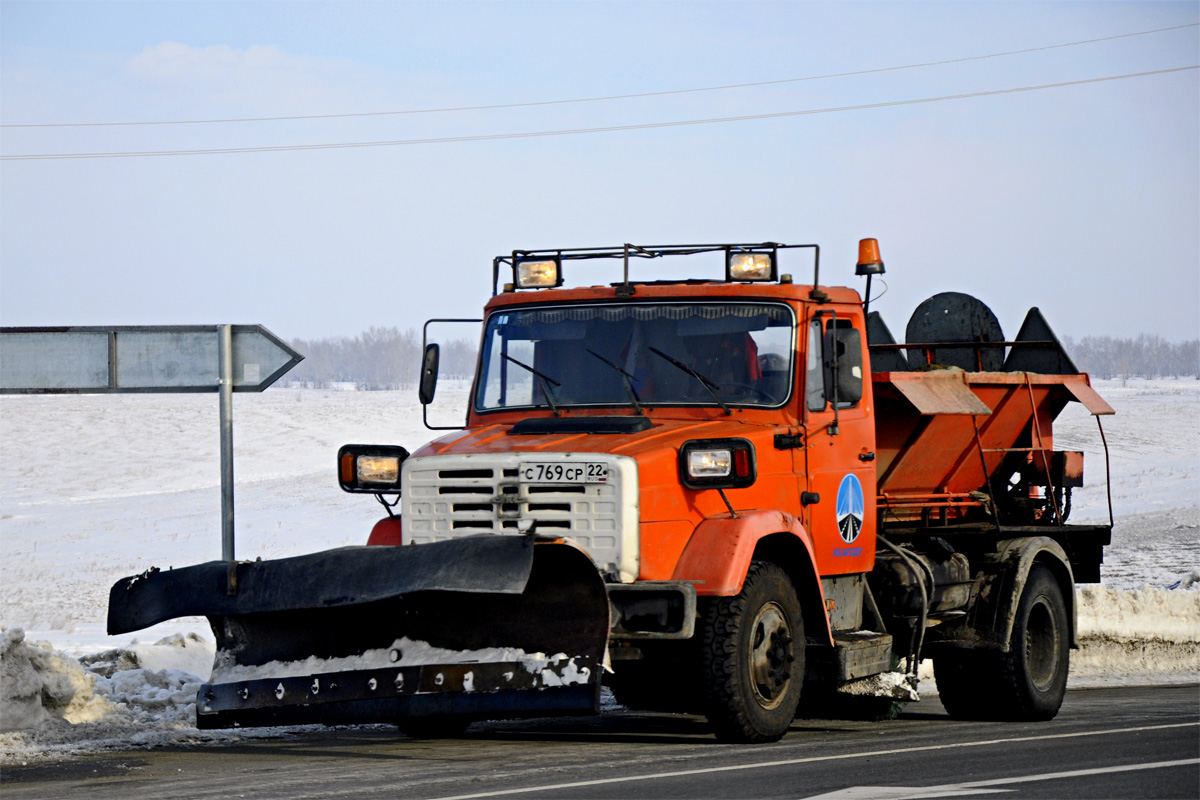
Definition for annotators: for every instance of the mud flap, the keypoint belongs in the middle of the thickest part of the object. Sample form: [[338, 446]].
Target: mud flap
[[492, 626]]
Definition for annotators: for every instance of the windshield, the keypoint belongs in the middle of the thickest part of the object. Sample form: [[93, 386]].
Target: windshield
[[717, 354]]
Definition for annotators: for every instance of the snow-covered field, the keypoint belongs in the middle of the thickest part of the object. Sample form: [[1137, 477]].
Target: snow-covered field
[[94, 488]]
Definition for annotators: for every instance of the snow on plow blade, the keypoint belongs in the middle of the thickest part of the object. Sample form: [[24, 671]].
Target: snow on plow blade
[[489, 626]]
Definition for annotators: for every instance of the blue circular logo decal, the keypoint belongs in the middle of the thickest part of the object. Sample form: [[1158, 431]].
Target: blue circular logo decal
[[850, 508]]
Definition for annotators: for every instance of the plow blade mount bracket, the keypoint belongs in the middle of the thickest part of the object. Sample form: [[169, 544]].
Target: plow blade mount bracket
[[479, 627]]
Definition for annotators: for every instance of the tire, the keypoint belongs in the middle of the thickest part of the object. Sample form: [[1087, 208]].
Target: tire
[[1035, 668], [752, 658], [433, 727], [1028, 682]]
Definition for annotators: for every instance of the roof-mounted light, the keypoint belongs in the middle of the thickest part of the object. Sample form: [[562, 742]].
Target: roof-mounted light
[[869, 261], [539, 273], [743, 266]]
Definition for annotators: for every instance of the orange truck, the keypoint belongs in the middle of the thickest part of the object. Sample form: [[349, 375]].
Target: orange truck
[[739, 498]]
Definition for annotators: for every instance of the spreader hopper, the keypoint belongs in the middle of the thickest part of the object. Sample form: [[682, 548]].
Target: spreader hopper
[[974, 425]]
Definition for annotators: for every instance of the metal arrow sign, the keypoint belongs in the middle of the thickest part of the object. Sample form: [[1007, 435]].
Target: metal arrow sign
[[154, 358], [150, 358]]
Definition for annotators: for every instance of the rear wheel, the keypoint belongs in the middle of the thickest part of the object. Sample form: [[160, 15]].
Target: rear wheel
[[1035, 668], [753, 657], [1026, 683]]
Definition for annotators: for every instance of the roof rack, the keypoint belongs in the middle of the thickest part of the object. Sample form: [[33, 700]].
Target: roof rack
[[627, 251]]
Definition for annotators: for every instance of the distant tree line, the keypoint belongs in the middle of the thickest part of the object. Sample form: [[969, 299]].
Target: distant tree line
[[389, 358], [1142, 356], [378, 358]]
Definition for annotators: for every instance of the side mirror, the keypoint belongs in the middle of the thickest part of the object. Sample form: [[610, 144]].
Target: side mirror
[[429, 374], [843, 346]]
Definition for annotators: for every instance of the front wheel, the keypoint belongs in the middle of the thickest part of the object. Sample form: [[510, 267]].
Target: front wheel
[[752, 656]]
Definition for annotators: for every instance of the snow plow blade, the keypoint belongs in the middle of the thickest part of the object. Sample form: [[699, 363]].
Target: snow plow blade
[[481, 627]]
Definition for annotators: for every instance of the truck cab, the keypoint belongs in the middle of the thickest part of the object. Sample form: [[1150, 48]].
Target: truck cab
[[713, 396]]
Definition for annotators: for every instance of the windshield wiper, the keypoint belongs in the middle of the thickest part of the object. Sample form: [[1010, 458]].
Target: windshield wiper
[[625, 378], [705, 382], [542, 380]]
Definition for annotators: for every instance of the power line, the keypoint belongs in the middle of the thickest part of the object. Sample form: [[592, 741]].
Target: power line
[[575, 131], [497, 106]]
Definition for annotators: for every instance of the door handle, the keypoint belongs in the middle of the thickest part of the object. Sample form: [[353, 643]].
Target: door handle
[[866, 456]]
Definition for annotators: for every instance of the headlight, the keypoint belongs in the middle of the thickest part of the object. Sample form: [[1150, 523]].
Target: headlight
[[378, 469], [370, 467], [709, 463], [717, 464], [750, 267], [539, 274]]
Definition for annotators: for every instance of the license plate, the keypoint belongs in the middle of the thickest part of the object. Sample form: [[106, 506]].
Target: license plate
[[564, 472]]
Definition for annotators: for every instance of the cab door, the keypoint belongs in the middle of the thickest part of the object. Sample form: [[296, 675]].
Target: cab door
[[839, 441]]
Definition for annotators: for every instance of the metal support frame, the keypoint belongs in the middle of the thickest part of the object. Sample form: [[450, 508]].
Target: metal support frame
[[835, 428], [627, 251], [987, 476], [928, 500], [225, 389], [425, 343], [1037, 431], [1107, 471]]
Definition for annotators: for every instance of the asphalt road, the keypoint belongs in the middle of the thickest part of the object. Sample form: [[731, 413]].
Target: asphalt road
[[1105, 743]]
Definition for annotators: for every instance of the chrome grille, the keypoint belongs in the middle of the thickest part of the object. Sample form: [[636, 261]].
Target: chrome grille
[[463, 495]]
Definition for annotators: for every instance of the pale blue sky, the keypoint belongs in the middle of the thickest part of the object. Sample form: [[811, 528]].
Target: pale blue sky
[[1084, 201]]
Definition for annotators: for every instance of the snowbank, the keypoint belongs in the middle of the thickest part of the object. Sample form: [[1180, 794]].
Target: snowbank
[[42, 685], [1145, 635], [1129, 637], [190, 653], [53, 705]]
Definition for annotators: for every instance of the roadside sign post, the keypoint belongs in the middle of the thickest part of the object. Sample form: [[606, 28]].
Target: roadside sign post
[[150, 359], [226, 403]]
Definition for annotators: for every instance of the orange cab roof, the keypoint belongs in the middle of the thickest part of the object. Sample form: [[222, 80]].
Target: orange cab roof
[[793, 292]]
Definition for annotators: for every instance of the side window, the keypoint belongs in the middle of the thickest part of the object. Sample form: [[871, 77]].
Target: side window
[[507, 384], [814, 386], [844, 344]]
